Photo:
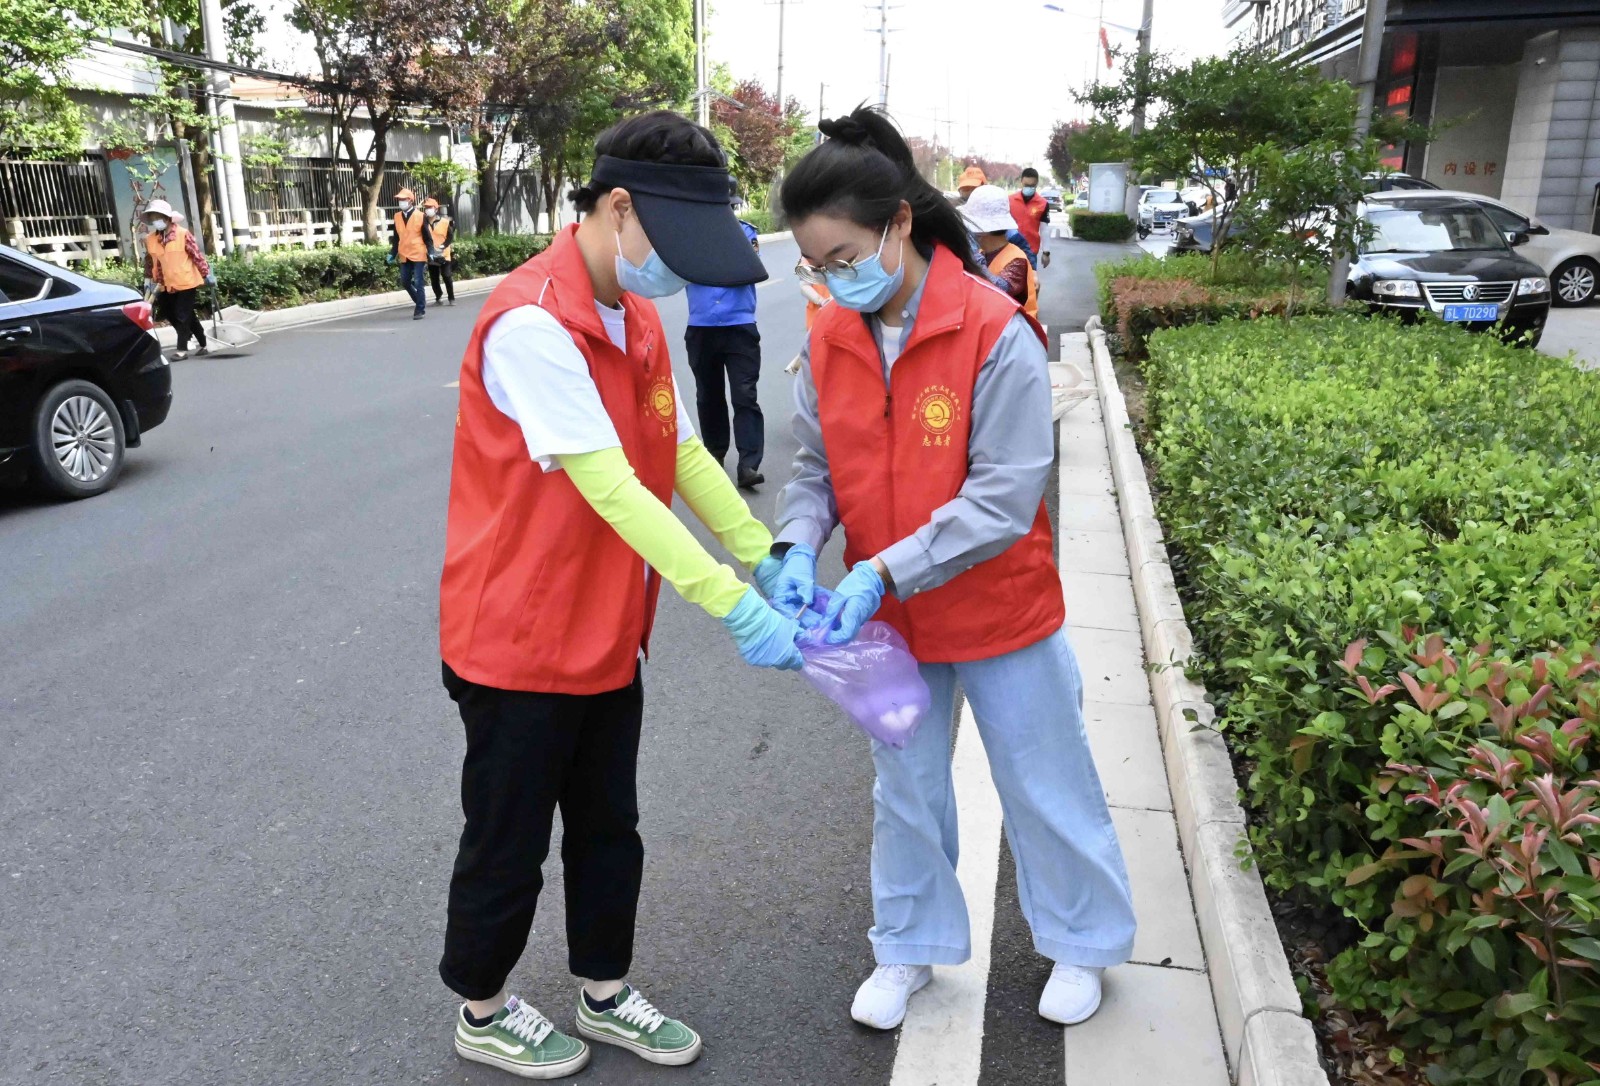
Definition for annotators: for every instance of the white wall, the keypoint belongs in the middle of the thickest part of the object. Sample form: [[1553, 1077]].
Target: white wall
[[1473, 108], [1554, 153]]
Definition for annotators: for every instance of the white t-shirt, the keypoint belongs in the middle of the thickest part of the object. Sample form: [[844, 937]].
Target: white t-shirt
[[893, 343], [536, 376]]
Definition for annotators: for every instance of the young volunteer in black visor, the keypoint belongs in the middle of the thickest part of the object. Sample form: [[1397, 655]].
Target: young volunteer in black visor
[[570, 441]]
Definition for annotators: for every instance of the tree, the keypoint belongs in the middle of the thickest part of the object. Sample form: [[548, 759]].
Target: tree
[[1059, 151], [441, 177], [379, 60], [759, 137], [39, 40]]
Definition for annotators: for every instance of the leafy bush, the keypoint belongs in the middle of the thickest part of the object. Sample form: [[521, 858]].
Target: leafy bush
[[1140, 295], [293, 277], [763, 219], [1100, 225], [1329, 479]]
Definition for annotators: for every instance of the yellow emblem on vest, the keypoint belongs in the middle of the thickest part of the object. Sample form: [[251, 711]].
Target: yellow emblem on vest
[[661, 402], [937, 410]]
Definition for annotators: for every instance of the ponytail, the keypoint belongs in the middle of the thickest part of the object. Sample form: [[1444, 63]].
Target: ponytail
[[862, 173]]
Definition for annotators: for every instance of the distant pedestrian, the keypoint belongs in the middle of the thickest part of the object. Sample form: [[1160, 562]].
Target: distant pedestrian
[[409, 247], [1031, 211], [988, 209], [174, 265], [441, 254], [725, 354], [972, 178]]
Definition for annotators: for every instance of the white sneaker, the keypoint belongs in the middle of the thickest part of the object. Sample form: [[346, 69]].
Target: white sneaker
[[881, 1000], [1072, 994]]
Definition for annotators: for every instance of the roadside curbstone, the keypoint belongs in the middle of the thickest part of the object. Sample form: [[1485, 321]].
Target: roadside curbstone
[[1267, 1041]]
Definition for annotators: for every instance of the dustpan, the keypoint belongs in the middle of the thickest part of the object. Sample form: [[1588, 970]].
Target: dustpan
[[237, 332], [1067, 388]]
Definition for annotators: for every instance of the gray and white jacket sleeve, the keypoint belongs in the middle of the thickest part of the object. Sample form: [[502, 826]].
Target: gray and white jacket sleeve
[[1009, 453]]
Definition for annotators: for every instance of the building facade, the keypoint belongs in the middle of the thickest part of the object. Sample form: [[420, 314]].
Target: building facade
[[1510, 87]]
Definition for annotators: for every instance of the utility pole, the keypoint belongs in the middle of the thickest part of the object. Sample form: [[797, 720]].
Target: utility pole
[[1141, 70], [883, 54], [780, 58], [702, 92], [822, 101], [1377, 16], [233, 200]]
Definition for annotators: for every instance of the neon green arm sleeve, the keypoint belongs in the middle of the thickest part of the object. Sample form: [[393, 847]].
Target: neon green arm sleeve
[[607, 482], [706, 489]]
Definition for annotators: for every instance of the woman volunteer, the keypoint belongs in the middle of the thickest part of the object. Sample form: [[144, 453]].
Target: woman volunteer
[[923, 418], [570, 440]]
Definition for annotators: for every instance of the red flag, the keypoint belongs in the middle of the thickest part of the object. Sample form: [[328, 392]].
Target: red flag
[[1105, 43]]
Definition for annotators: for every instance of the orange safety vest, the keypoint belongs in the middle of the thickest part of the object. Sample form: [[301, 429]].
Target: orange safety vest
[[409, 229], [539, 593], [1005, 255], [893, 465], [1027, 214], [172, 255], [439, 229], [812, 308]]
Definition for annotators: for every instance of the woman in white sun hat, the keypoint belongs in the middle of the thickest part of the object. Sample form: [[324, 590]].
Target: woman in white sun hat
[[988, 209], [174, 264]]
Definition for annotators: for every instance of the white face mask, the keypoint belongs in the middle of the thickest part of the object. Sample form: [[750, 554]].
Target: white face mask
[[430, 212], [405, 205], [158, 224]]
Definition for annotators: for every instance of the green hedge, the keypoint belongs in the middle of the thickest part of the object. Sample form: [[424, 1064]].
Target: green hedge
[[294, 277], [765, 221], [1100, 225], [1337, 480]]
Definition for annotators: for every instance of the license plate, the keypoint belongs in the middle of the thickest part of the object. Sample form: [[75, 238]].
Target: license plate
[[1471, 312]]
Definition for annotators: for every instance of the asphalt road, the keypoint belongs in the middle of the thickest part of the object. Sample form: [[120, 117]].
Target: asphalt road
[[228, 799]]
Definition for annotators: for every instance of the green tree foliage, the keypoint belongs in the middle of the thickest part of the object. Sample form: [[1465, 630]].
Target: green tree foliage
[[757, 138], [39, 39]]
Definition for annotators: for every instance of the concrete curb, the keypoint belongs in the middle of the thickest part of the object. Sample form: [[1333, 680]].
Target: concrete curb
[[294, 316], [781, 235], [1268, 1041]]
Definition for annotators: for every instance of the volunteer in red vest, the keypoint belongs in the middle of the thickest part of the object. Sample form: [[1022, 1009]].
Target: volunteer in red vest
[[923, 423], [989, 212], [408, 246], [1030, 211], [571, 438], [442, 256], [174, 264]]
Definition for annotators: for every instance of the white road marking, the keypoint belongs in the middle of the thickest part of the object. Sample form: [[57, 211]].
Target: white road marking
[[941, 1041], [453, 384]]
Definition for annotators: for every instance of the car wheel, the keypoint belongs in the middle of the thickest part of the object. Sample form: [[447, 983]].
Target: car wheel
[[78, 441], [1574, 282]]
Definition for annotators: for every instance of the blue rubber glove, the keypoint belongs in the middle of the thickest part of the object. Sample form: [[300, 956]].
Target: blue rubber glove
[[797, 581], [389, 260], [765, 638], [149, 286], [855, 600], [766, 575], [211, 278]]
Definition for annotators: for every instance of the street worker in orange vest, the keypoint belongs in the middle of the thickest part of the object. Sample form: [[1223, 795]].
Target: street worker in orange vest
[[174, 265], [923, 423], [988, 210], [571, 439], [409, 245], [1029, 211], [442, 253]]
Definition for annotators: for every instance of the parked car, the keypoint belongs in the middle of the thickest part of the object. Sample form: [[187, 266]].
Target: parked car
[[1571, 258], [1443, 255], [1159, 207], [82, 377], [1192, 234], [1397, 182], [1052, 197]]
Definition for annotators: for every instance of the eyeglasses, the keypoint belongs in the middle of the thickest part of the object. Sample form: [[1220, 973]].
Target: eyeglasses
[[839, 269]]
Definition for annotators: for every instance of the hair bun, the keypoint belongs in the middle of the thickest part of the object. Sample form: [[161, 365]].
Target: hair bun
[[845, 130]]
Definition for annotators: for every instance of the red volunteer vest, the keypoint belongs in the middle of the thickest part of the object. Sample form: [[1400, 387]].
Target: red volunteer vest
[[538, 592], [1027, 214], [896, 458]]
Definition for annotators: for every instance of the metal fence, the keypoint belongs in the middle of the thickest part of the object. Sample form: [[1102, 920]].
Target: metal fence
[[318, 185], [54, 197]]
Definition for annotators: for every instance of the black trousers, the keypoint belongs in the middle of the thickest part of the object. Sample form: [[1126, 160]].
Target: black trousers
[[728, 356], [527, 754], [178, 307], [447, 270]]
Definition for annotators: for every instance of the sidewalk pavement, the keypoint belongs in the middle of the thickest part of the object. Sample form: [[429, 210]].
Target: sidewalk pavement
[[1574, 331]]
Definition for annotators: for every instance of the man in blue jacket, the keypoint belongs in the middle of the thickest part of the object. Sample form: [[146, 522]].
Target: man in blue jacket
[[725, 349]]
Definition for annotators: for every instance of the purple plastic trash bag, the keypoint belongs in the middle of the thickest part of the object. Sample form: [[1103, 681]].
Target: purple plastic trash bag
[[874, 679]]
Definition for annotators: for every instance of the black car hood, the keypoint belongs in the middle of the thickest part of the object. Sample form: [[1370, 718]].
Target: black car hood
[[1486, 265]]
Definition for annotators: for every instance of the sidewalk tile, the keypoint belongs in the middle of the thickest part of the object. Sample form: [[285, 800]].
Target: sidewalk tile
[[1157, 1027], [1094, 552], [1100, 600], [1168, 934], [1112, 663], [1091, 512], [1085, 478], [1127, 753]]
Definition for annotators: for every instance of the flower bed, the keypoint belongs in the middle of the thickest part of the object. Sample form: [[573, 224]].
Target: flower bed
[[294, 277], [1388, 541]]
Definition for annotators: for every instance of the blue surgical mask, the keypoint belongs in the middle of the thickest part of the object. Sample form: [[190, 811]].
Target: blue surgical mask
[[1028, 191], [872, 287], [653, 280]]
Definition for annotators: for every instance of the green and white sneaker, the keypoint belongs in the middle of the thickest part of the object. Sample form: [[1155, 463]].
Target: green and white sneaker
[[637, 1026], [522, 1041]]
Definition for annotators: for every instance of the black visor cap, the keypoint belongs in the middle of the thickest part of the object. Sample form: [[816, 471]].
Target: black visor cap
[[685, 213]]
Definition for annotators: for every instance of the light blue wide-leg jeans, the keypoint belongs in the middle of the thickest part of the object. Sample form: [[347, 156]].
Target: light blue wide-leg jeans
[[1071, 879]]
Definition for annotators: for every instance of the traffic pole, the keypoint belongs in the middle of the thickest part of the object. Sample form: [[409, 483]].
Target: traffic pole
[[1377, 16]]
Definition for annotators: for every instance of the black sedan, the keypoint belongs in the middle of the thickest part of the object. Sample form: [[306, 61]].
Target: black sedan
[[81, 377], [1442, 256]]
